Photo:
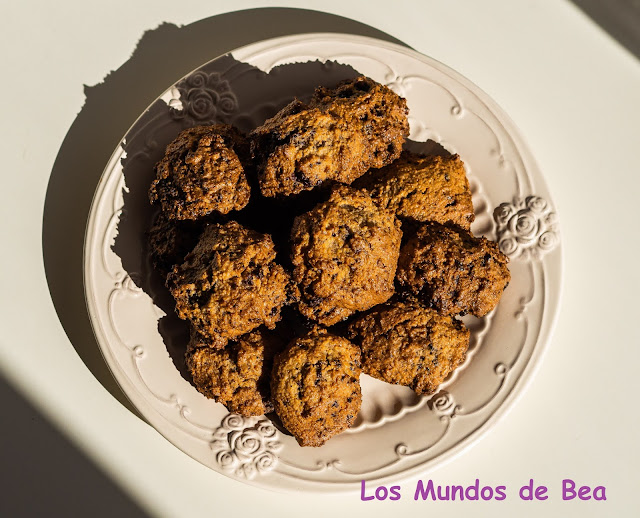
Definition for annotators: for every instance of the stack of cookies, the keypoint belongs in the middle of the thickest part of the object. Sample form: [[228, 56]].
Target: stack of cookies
[[315, 249]]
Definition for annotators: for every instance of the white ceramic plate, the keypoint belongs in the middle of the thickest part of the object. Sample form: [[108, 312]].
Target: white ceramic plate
[[397, 433]]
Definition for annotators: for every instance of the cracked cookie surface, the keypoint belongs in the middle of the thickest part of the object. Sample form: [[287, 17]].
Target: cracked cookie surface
[[338, 136], [426, 188], [405, 343], [315, 386], [230, 284], [344, 256], [202, 173], [453, 271], [237, 376]]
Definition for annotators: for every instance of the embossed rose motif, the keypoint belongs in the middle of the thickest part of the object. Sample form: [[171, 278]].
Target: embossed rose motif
[[443, 404], [536, 204], [527, 227], [203, 98], [246, 446]]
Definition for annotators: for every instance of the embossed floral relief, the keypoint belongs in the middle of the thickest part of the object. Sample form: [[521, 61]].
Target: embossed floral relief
[[526, 228], [443, 404], [246, 446], [203, 98]]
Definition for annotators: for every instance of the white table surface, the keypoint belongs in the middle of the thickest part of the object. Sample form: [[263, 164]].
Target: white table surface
[[575, 95]]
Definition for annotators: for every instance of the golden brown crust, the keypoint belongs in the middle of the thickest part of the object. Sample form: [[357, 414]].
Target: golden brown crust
[[315, 387], [201, 173], [426, 188], [230, 283], [452, 271], [405, 343], [340, 135], [237, 376], [344, 255]]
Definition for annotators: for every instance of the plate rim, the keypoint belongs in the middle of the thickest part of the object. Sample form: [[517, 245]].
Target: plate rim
[[547, 325]]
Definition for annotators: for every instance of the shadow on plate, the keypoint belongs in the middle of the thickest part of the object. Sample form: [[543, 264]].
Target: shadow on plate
[[162, 56]]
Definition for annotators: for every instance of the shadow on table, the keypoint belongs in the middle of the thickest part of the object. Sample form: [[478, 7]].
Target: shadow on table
[[44, 474], [163, 55]]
